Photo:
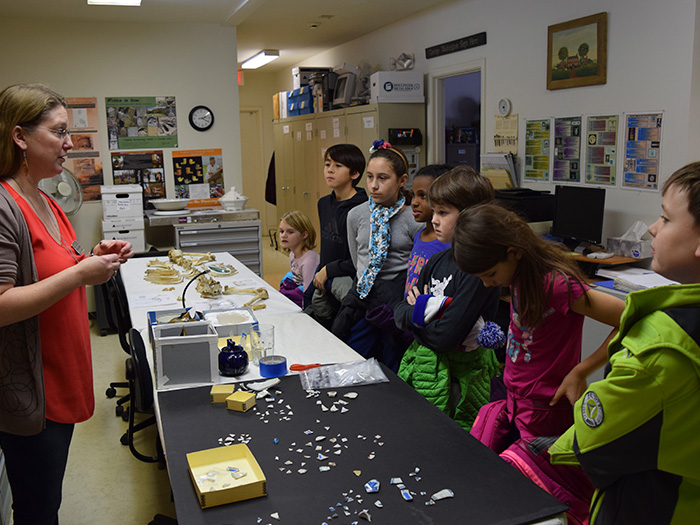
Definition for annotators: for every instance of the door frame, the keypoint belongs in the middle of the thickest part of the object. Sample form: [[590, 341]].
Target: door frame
[[436, 105], [258, 110]]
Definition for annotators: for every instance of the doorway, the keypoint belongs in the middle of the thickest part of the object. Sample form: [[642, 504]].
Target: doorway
[[455, 114], [463, 119], [254, 167]]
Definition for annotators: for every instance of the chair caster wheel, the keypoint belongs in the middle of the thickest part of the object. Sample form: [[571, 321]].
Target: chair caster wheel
[[111, 392], [125, 414], [124, 439], [119, 409]]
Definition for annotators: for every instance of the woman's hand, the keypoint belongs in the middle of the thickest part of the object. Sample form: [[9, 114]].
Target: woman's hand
[[123, 249], [97, 270], [320, 279]]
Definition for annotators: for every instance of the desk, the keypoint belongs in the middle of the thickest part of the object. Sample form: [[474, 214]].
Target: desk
[[412, 434], [390, 421], [144, 296]]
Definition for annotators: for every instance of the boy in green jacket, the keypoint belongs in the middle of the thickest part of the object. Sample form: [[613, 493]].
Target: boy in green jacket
[[637, 433]]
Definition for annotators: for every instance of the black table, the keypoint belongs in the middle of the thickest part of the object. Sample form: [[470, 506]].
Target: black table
[[390, 422]]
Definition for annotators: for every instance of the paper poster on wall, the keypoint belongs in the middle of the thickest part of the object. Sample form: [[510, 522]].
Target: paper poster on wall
[[199, 175], [642, 150], [537, 139], [144, 168], [85, 159], [567, 150], [601, 150], [505, 134], [141, 122]]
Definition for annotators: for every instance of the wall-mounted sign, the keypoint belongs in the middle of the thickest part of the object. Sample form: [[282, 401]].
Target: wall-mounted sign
[[460, 44]]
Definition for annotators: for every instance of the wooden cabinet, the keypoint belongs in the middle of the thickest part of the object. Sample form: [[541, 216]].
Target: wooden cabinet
[[301, 142]]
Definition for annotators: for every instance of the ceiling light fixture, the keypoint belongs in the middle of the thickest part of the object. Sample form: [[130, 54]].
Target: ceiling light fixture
[[264, 57], [131, 3]]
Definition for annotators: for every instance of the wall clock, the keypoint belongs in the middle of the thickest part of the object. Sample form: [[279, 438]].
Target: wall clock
[[201, 118], [504, 107]]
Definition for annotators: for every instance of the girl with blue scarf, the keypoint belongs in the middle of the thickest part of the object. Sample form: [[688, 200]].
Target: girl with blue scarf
[[380, 237]]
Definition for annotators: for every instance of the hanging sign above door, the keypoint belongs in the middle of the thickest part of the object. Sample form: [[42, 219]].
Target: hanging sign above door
[[460, 44]]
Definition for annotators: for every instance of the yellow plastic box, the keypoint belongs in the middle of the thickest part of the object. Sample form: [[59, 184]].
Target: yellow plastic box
[[219, 393], [215, 473], [240, 401]]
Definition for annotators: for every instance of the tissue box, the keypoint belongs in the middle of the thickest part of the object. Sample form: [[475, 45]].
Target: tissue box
[[636, 249], [629, 248]]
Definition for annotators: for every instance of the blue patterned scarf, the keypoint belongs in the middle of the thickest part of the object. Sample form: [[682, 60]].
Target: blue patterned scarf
[[379, 239]]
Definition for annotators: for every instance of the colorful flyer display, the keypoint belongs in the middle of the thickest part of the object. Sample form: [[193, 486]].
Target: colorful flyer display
[[199, 174], [85, 159], [601, 150], [141, 122], [144, 168], [567, 149], [537, 137], [643, 135]]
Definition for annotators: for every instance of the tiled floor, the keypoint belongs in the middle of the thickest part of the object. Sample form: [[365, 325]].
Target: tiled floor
[[104, 483]]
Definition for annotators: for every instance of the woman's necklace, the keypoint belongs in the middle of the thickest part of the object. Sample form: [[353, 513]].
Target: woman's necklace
[[50, 222], [48, 217]]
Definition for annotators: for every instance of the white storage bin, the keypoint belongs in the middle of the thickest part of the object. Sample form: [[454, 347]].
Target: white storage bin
[[129, 223], [136, 237], [396, 86], [180, 360], [122, 201]]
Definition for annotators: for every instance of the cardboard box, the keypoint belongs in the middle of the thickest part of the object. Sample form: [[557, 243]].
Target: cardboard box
[[300, 101], [396, 86], [276, 106], [122, 201], [186, 359], [219, 393], [233, 321], [240, 401], [136, 237], [284, 110], [301, 75], [128, 223], [209, 469]]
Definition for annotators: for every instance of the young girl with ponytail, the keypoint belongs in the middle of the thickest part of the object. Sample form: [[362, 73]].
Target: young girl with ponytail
[[380, 238]]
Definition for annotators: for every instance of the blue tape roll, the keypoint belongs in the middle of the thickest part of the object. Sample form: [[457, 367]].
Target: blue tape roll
[[273, 366]]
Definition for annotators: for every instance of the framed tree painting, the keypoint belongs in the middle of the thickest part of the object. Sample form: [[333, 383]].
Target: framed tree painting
[[577, 52]]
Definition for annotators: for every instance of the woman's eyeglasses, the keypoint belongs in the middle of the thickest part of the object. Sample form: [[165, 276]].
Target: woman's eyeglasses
[[61, 133]]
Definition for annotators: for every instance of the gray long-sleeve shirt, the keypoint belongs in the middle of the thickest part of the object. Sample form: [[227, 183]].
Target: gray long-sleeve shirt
[[403, 228]]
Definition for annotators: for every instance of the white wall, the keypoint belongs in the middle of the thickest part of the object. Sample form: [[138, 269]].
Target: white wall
[[194, 62], [650, 53]]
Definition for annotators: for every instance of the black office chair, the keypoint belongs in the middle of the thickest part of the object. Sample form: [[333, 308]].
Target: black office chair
[[141, 394], [119, 320]]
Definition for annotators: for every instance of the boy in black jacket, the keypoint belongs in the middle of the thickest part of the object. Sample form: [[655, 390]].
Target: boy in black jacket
[[344, 165]]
